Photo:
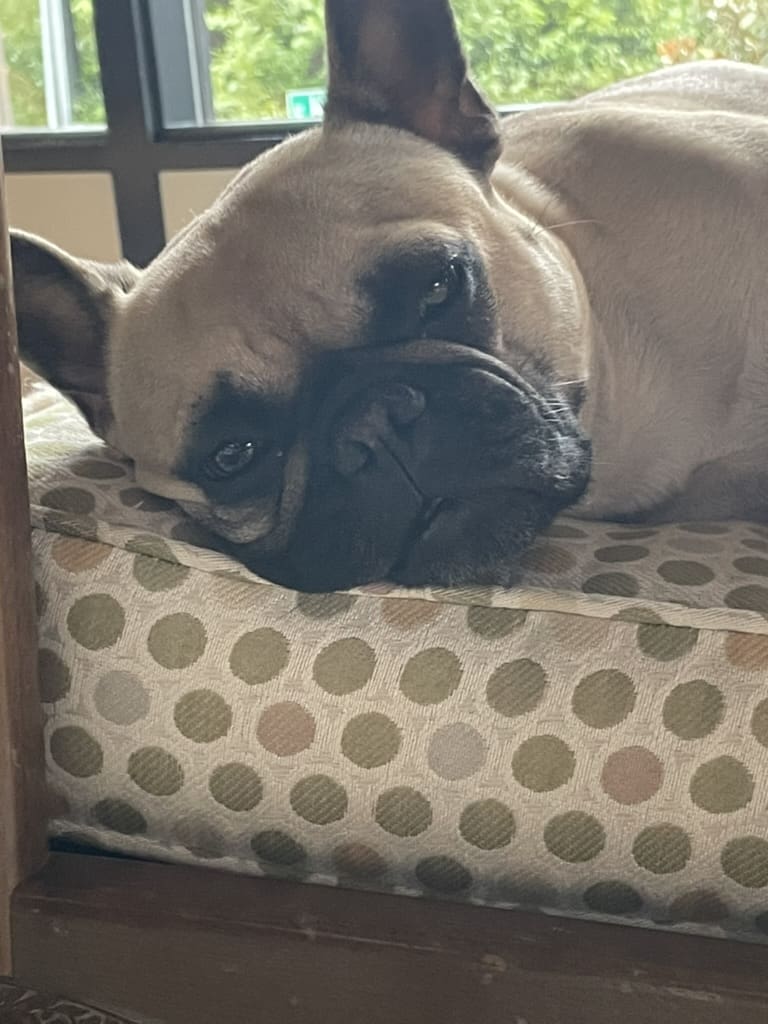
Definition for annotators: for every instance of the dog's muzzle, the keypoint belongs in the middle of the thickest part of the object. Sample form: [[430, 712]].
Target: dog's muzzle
[[419, 466]]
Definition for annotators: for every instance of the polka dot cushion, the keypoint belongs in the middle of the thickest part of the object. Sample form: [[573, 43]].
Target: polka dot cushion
[[593, 742]]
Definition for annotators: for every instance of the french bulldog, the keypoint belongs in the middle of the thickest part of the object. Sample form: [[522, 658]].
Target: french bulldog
[[400, 343]]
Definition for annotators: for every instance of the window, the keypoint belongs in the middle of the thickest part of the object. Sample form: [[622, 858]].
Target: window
[[192, 84], [49, 71]]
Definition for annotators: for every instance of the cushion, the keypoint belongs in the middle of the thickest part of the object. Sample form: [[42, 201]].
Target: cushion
[[593, 743]]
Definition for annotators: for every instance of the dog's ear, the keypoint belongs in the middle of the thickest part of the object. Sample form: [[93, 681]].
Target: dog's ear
[[400, 63], [64, 307]]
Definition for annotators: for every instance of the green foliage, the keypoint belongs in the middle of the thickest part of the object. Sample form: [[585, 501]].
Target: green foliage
[[520, 50]]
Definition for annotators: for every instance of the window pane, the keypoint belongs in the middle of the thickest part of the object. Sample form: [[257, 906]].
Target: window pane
[[49, 71], [266, 57]]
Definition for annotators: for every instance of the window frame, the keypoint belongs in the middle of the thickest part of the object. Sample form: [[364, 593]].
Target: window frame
[[137, 145]]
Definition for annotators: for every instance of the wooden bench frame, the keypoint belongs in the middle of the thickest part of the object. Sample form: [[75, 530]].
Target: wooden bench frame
[[175, 944]]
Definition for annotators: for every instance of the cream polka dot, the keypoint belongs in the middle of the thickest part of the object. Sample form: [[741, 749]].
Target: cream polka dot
[[344, 666], [121, 697], [747, 650], [431, 676], [456, 752], [75, 555], [259, 656], [202, 716], [286, 729]]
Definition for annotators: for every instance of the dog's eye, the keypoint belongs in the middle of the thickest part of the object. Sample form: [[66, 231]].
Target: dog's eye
[[442, 289], [233, 458]]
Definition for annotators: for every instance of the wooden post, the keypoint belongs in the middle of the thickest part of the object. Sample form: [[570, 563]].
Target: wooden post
[[22, 785]]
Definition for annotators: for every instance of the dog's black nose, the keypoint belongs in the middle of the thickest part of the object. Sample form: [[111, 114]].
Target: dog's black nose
[[375, 423]]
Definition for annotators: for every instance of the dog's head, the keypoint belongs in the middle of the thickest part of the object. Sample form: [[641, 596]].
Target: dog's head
[[362, 361]]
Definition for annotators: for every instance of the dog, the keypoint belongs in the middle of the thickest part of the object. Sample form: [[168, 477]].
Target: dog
[[400, 343]]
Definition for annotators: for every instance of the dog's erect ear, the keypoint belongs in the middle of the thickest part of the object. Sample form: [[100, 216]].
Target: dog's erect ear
[[64, 307], [400, 63]]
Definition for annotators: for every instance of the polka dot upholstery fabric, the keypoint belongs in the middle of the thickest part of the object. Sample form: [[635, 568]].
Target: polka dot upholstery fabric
[[593, 742]]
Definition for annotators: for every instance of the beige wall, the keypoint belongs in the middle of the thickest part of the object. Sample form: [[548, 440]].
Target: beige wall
[[77, 211]]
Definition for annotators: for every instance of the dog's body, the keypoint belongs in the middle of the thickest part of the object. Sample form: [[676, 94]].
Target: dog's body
[[387, 348]]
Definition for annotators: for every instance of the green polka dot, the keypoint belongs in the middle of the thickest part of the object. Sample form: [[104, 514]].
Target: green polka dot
[[358, 862], [613, 584], [761, 923], [96, 621], [202, 716], [319, 800], [760, 723], [745, 861], [637, 613], [631, 533], [699, 907], [754, 566], [97, 469], [84, 527], [431, 676], [69, 499], [443, 875], [666, 643], [41, 601], [713, 529], [574, 837], [344, 666], [604, 698], [155, 566], [236, 787], [403, 812], [194, 534], [156, 771], [259, 656], [662, 849], [613, 897], [694, 710], [686, 573], [277, 847], [622, 553], [54, 676], [371, 740], [722, 786], [516, 687], [494, 623], [752, 598], [119, 816], [487, 825], [134, 497], [200, 838], [76, 752], [324, 606], [756, 545], [177, 641], [543, 764]]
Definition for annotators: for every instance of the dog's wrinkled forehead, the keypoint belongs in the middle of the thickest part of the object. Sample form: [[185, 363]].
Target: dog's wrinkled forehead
[[271, 273]]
